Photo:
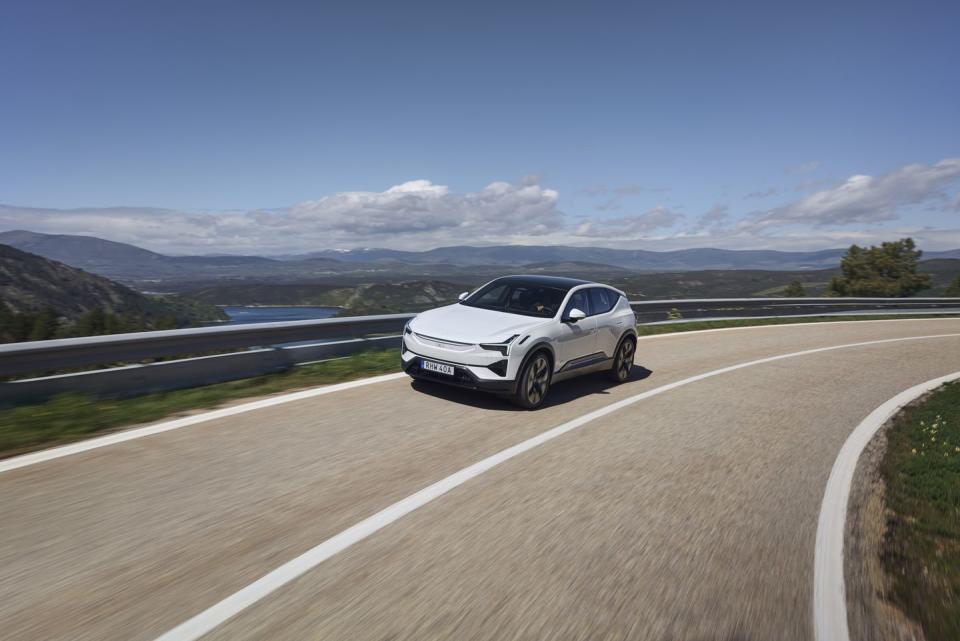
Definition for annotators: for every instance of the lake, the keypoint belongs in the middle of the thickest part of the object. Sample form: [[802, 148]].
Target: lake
[[242, 315]]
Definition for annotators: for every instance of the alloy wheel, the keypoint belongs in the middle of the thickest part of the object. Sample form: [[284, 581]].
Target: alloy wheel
[[538, 375]]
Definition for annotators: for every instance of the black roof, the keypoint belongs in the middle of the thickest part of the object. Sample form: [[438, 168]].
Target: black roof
[[559, 282]]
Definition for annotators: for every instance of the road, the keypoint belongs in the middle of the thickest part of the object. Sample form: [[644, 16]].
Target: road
[[688, 514]]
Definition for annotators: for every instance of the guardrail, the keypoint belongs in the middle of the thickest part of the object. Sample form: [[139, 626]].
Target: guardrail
[[273, 347], [660, 310]]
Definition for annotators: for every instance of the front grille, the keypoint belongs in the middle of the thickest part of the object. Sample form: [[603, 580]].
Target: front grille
[[442, 343]]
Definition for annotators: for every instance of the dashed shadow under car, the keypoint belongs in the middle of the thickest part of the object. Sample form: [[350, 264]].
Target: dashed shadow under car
[[560, 393]]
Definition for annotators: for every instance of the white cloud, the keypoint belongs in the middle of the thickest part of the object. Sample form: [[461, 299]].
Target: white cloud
[[413, 214], [623, 227], [420, 214], [713, 219], [865, 199]]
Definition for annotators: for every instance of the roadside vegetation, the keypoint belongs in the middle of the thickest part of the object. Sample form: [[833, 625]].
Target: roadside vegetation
[[890, 270], [48, 323], [70, 417], [953, 289], [794, 289], [921, 546]]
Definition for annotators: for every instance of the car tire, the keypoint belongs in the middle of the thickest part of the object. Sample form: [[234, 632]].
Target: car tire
[[534, 382], [623, 360]]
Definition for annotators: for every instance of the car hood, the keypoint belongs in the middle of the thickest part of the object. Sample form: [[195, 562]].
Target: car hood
[[472, 324]]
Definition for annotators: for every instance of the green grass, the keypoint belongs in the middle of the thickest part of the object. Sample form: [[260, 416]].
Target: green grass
[[70, 417], [921, 552]]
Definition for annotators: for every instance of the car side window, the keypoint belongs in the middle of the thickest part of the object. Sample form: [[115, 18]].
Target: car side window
[[602, 300], [578, 300]]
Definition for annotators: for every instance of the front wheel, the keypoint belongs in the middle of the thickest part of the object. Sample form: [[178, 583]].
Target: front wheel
[[623, 362], [534, 382]]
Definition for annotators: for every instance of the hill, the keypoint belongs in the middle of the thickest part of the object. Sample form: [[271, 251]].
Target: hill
[[745, 282], [390, 297], [127, 262], [367, 298], [633, 259], [31, 283]]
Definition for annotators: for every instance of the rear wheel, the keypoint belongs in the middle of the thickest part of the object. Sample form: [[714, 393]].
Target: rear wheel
[[534, 382], [623, 361]]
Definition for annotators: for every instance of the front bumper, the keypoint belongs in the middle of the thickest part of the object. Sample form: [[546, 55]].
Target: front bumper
[[462, 377]]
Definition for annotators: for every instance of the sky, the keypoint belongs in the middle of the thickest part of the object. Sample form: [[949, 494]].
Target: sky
[[280, 127]]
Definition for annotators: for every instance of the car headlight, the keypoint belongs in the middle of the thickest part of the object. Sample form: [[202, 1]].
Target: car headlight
[[406, 328], [499, 347]]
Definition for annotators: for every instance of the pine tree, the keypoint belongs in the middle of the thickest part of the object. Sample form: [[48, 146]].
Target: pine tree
[[889, 270]]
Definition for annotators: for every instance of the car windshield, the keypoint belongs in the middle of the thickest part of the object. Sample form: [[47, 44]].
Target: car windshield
[[518, 297]]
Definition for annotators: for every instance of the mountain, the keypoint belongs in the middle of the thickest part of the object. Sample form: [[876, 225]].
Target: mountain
[[368, 298], [30, 283], [150, 270], [79, 249], [632, 259], [128, 262], [410, 296]]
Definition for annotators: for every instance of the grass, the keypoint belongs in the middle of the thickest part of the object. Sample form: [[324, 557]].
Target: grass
[[921, 548], [70, 417]]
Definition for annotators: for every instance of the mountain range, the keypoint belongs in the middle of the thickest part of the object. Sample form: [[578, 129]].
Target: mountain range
[[31, 283], [135, 265]]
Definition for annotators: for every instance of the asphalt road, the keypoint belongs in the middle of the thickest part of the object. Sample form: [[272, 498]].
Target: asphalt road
[[691, 514]]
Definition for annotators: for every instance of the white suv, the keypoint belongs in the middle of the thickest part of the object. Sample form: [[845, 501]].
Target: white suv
[[517, 334]]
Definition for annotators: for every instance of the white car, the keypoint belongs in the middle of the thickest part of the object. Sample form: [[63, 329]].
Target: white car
[[518, 334]]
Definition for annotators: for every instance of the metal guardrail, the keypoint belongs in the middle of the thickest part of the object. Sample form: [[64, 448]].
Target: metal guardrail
[[657, 310], [67, 353], [272, 347]]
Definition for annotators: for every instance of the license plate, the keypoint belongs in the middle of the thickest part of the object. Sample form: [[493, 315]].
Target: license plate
[[437, 367]]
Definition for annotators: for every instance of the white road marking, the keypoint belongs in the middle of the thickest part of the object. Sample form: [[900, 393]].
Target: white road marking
[[128, 435], [786, 325], [829, 595], [217, 614]]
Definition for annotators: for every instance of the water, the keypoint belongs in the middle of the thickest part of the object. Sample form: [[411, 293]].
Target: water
[[242, 315]]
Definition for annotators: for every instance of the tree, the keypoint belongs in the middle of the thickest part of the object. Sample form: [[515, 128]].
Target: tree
[[889, 270], [167, 321], [795, 290], [953, 289], [45, 325], [9, 323], [92, 323]]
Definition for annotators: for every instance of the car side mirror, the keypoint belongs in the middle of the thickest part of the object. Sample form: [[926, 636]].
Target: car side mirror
[[575, 315], [463, 296]]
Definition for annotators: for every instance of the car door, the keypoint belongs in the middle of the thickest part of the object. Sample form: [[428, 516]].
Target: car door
[[576, 340], [609, 325]]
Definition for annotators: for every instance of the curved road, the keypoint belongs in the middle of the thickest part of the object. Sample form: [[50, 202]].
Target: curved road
[[690, 514]]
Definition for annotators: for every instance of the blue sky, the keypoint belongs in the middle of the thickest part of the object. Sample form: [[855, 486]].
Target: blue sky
[[247, 126]]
